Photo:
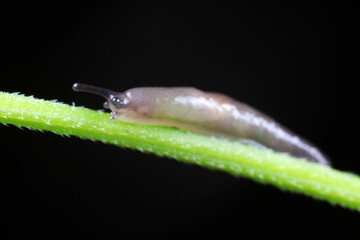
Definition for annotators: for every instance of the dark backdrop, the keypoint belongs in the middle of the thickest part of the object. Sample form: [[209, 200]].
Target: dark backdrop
[[296, 62]]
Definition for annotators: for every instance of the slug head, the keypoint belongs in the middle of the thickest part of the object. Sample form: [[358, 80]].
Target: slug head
[[114, 100]]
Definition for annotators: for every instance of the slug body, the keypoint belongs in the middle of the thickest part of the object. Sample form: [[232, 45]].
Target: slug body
[[205, 113]]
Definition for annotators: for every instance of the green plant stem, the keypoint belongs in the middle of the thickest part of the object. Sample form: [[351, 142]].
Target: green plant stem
[[261, 165]]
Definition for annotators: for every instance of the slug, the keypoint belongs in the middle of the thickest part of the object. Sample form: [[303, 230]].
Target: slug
[[205, 113]]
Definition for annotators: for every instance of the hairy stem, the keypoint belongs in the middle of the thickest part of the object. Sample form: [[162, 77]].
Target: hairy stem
[[260, 165]]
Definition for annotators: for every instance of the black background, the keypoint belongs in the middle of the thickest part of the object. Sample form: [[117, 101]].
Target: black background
[[296, 62]]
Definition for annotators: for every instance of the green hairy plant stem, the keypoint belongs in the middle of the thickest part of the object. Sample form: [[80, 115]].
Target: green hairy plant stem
[[264, 166]]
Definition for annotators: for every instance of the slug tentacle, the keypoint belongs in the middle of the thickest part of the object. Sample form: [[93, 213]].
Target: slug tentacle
[[204, 113], [113, 116], [81, 87], [106, 105]]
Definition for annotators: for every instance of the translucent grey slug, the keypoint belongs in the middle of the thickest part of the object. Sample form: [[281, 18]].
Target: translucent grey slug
[[205, 113]]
